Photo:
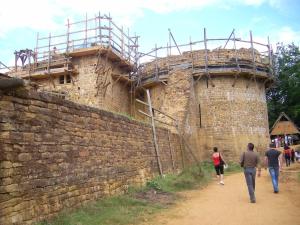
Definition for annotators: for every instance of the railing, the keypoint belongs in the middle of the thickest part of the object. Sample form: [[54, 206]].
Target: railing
[[205, 54], [97, 31]]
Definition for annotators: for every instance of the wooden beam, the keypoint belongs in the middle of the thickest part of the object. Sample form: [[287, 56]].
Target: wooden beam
[[154, 133]]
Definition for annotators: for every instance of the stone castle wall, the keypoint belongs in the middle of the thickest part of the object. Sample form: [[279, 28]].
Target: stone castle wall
[[233, 116], [222, 115], [83, 88], [56, 154], [178, 100], [227, 111]]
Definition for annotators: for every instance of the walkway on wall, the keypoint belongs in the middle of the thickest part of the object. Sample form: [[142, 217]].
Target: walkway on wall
[[229, 204]]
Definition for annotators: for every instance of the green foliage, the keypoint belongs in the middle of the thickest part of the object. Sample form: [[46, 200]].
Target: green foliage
[[154, 185], [190, 178], [118, 210], [284, 96], [233, 168]]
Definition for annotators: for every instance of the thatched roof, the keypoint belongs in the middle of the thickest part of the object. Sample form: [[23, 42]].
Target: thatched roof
[[284, 125]]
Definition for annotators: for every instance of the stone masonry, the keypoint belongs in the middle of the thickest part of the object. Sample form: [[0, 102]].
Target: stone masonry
[[89, 88], [224, 107], [56, 154], [233, 116]]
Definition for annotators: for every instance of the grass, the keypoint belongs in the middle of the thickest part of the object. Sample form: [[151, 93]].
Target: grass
[[233, 168], [118, 210], [127, 209], [190, 178]]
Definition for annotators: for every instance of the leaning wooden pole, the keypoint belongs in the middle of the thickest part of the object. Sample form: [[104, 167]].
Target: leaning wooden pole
[[171, 151], [154, 132]]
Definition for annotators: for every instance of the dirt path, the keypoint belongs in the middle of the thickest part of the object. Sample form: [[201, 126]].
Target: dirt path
[[229, 204]]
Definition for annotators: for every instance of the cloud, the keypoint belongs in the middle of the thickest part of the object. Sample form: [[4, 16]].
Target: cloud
[[28, 14], [286, 35], [50, 14], [272, 3], [253, 2]]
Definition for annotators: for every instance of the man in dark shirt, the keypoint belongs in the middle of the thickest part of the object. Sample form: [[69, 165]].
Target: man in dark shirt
[[250, 160], [273, 160]]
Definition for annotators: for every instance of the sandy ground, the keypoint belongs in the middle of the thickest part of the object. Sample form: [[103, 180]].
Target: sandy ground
[[229, 204]]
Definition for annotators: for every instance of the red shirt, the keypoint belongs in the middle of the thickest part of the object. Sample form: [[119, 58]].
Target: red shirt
[[216, 158], [287, 152]]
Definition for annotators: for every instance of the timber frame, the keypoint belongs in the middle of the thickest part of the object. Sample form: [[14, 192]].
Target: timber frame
[[99, 35]]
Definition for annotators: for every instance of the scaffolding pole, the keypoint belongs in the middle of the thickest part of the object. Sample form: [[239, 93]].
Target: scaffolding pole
[[86, 29], [36, 48], [174, 41], [154, 133], [192, 55], [49, 53], [270, 53], [156, 66], [68, 36], [206, 56], [109, 31], [236, 60], [100, 30], [228, 39]]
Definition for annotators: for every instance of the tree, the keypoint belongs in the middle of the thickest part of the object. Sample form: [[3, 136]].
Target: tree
[[284, 95]]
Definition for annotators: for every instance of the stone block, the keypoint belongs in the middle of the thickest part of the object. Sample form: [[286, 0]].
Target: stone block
[[6, 164], [7, 105], [24, 157]]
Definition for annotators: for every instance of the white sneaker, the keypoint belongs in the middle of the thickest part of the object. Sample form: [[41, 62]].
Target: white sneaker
[[222, 182]]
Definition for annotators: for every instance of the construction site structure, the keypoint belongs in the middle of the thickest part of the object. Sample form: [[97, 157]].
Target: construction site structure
[[213, 88], [216, 90], [91, 63]]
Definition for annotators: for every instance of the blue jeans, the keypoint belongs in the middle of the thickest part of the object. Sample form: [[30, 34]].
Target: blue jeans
[[250, 174], [274, 172]]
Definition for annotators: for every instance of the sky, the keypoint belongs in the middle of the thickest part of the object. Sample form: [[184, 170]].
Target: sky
[[20, 21]]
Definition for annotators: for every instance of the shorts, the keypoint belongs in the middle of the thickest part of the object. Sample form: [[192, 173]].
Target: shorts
[[219, 169]]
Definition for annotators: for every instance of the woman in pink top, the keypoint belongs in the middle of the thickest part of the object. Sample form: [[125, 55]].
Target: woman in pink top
[[219, 164]]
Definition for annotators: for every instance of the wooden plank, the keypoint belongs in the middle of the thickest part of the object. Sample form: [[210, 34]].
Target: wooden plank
[[154, 133], [44, 73]]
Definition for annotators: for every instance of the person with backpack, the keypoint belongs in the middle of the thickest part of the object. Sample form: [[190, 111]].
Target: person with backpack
[[287, 155], [219, 163], [250, 161], [273, 161]]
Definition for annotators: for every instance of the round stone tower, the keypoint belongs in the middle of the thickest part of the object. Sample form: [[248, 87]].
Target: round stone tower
[[217, 96]]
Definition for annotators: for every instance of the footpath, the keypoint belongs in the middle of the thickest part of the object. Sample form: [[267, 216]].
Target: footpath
[[229, 204]]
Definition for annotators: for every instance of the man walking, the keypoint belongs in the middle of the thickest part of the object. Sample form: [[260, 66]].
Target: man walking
[[250, 160], [273, 161]]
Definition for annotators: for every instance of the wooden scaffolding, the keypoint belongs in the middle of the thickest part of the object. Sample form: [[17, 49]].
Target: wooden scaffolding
[[204, 58], [97, 35]]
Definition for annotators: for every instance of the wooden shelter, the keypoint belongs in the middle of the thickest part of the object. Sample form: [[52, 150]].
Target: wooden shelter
[[284, 125]]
